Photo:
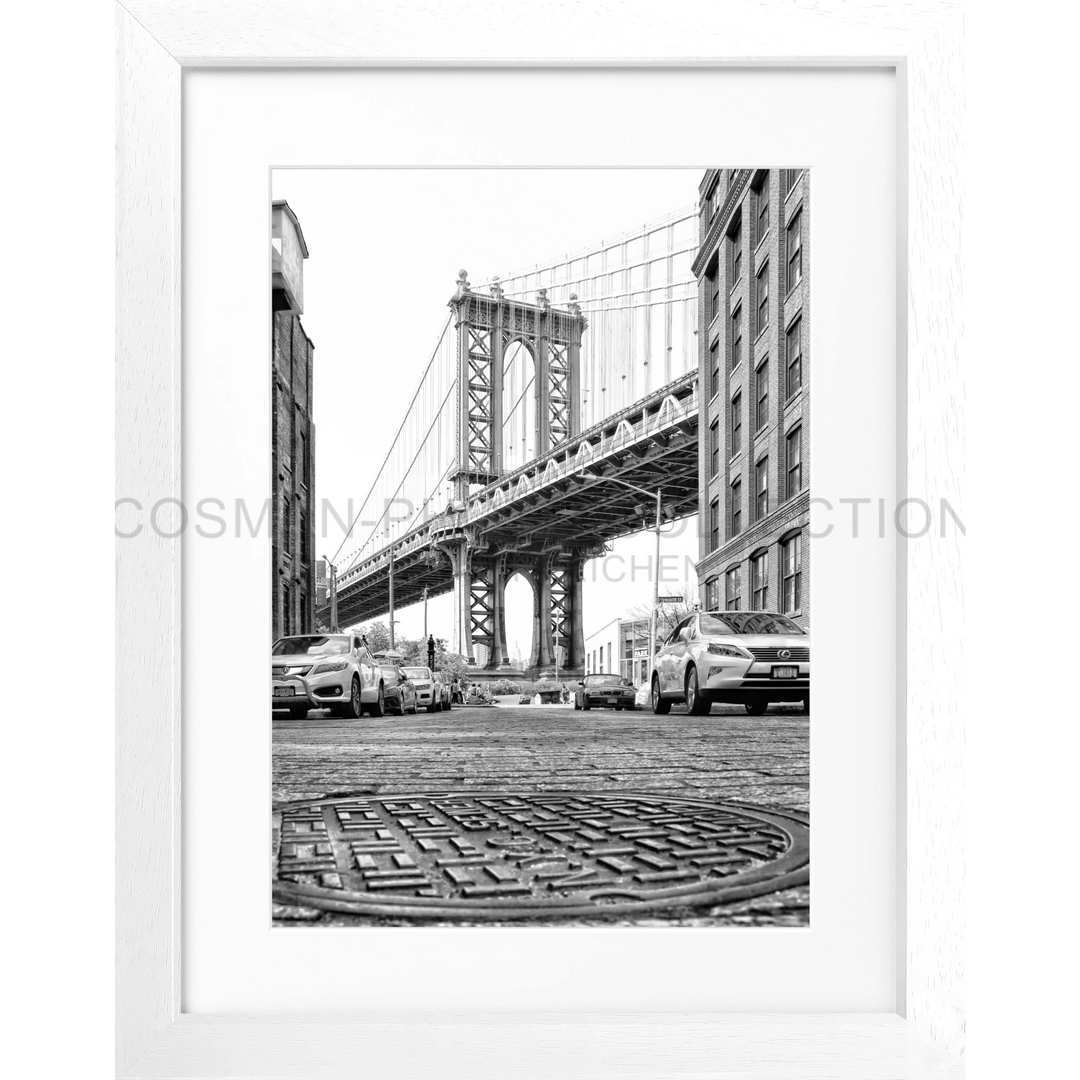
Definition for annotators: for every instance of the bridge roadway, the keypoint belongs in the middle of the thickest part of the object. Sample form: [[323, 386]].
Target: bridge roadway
[[561, 503]]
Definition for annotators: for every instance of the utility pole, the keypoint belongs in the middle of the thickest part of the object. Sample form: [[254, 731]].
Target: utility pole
[[425, 611], [392, 598], [334, 628], [656, 582], [656, 574]]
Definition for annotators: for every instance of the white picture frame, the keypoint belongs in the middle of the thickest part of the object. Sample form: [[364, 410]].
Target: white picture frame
[[155, 40]]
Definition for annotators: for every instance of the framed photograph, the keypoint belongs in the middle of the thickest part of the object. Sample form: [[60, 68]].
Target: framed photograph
[[503, 389]]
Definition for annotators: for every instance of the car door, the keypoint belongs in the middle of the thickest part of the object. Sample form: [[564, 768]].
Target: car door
[[369, 671], [666, 659], [678, 655]]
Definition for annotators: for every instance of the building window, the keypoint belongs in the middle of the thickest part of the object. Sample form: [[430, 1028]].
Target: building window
[[736, 337], [763, 298], [763, 209], [761, 489], [759, 581], [286, 526], [735, 237], [736, 424], [736, 508], [303, 537], [794, 357], [712, 203], [733, 589], [712, 594], [714, 524], [714, 369], [791, 559], [286, 611], [790, 177], [714, 447], [301, 453], [712, 290], [761, 396], [794, 251], [794, 462]]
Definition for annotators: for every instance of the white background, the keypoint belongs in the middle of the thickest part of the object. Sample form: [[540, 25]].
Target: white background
[[236, 125]]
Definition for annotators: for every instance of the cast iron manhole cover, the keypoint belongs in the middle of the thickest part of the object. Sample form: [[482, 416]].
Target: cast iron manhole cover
[[505, 855]]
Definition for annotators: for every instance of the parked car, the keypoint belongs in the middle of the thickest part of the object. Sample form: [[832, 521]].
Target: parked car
[[427, 694], [604, 691], [752, 658], [442, 690], [399, 691], [319, 671]]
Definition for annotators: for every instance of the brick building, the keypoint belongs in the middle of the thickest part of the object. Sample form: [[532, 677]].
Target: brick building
[[292, 588], [753, 267]]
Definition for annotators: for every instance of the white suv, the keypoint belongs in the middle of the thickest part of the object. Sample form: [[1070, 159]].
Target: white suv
[[751, 658], [325, 671]]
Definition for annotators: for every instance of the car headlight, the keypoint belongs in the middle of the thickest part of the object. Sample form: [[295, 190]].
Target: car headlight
[[716, 649], [324, 669]]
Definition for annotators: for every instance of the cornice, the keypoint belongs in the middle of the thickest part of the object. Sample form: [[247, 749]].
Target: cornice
[[721, 220]]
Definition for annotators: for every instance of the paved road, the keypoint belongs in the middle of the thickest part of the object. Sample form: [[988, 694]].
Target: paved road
[[761, 760], [764, 761]]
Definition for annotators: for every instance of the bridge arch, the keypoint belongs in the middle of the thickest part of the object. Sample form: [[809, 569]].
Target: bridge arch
[[519, 613]]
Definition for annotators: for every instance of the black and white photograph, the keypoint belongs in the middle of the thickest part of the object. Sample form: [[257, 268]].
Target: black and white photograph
[[458, 357], [540, 577]]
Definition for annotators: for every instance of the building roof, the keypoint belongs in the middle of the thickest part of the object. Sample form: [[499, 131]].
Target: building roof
[[295, 220]]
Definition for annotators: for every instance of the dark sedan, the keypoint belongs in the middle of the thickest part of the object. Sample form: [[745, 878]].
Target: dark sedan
[[604, 692]]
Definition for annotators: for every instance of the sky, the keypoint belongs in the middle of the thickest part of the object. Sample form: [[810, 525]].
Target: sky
[[385, 248]]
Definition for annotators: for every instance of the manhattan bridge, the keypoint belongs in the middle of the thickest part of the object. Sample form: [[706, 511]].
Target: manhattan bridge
[[552, 403]]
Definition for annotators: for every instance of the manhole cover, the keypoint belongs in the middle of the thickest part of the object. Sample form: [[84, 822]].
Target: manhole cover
[[505, 855]]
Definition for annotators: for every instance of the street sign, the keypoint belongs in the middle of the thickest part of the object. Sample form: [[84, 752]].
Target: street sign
[[669, 599]]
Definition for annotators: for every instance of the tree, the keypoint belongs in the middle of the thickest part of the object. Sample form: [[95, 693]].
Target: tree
[[416, 652], [377, 635], [669, 615]]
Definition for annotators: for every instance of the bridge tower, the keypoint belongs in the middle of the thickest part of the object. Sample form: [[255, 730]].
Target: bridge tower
[[487, 326]]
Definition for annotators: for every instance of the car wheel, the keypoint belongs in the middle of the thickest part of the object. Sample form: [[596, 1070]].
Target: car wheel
[[756, 708], [660, 706], [354, 707], [449, 705], [414, 710], [577, 704], [806, 705], [585, 703], [696, 703], [379, 707], [431, 707], [298, 713]]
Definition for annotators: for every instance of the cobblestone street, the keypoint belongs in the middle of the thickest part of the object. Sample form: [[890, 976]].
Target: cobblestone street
[[760, 761]]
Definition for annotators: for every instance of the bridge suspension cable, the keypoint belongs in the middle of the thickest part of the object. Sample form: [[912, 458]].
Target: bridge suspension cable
[[418, 462]]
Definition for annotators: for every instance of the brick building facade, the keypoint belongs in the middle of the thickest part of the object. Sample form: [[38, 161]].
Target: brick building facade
[[754, 365], [292, 589]]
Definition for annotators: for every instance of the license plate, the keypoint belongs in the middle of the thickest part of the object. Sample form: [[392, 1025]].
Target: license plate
[[785, 672], [284, 691], [613, 701]]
